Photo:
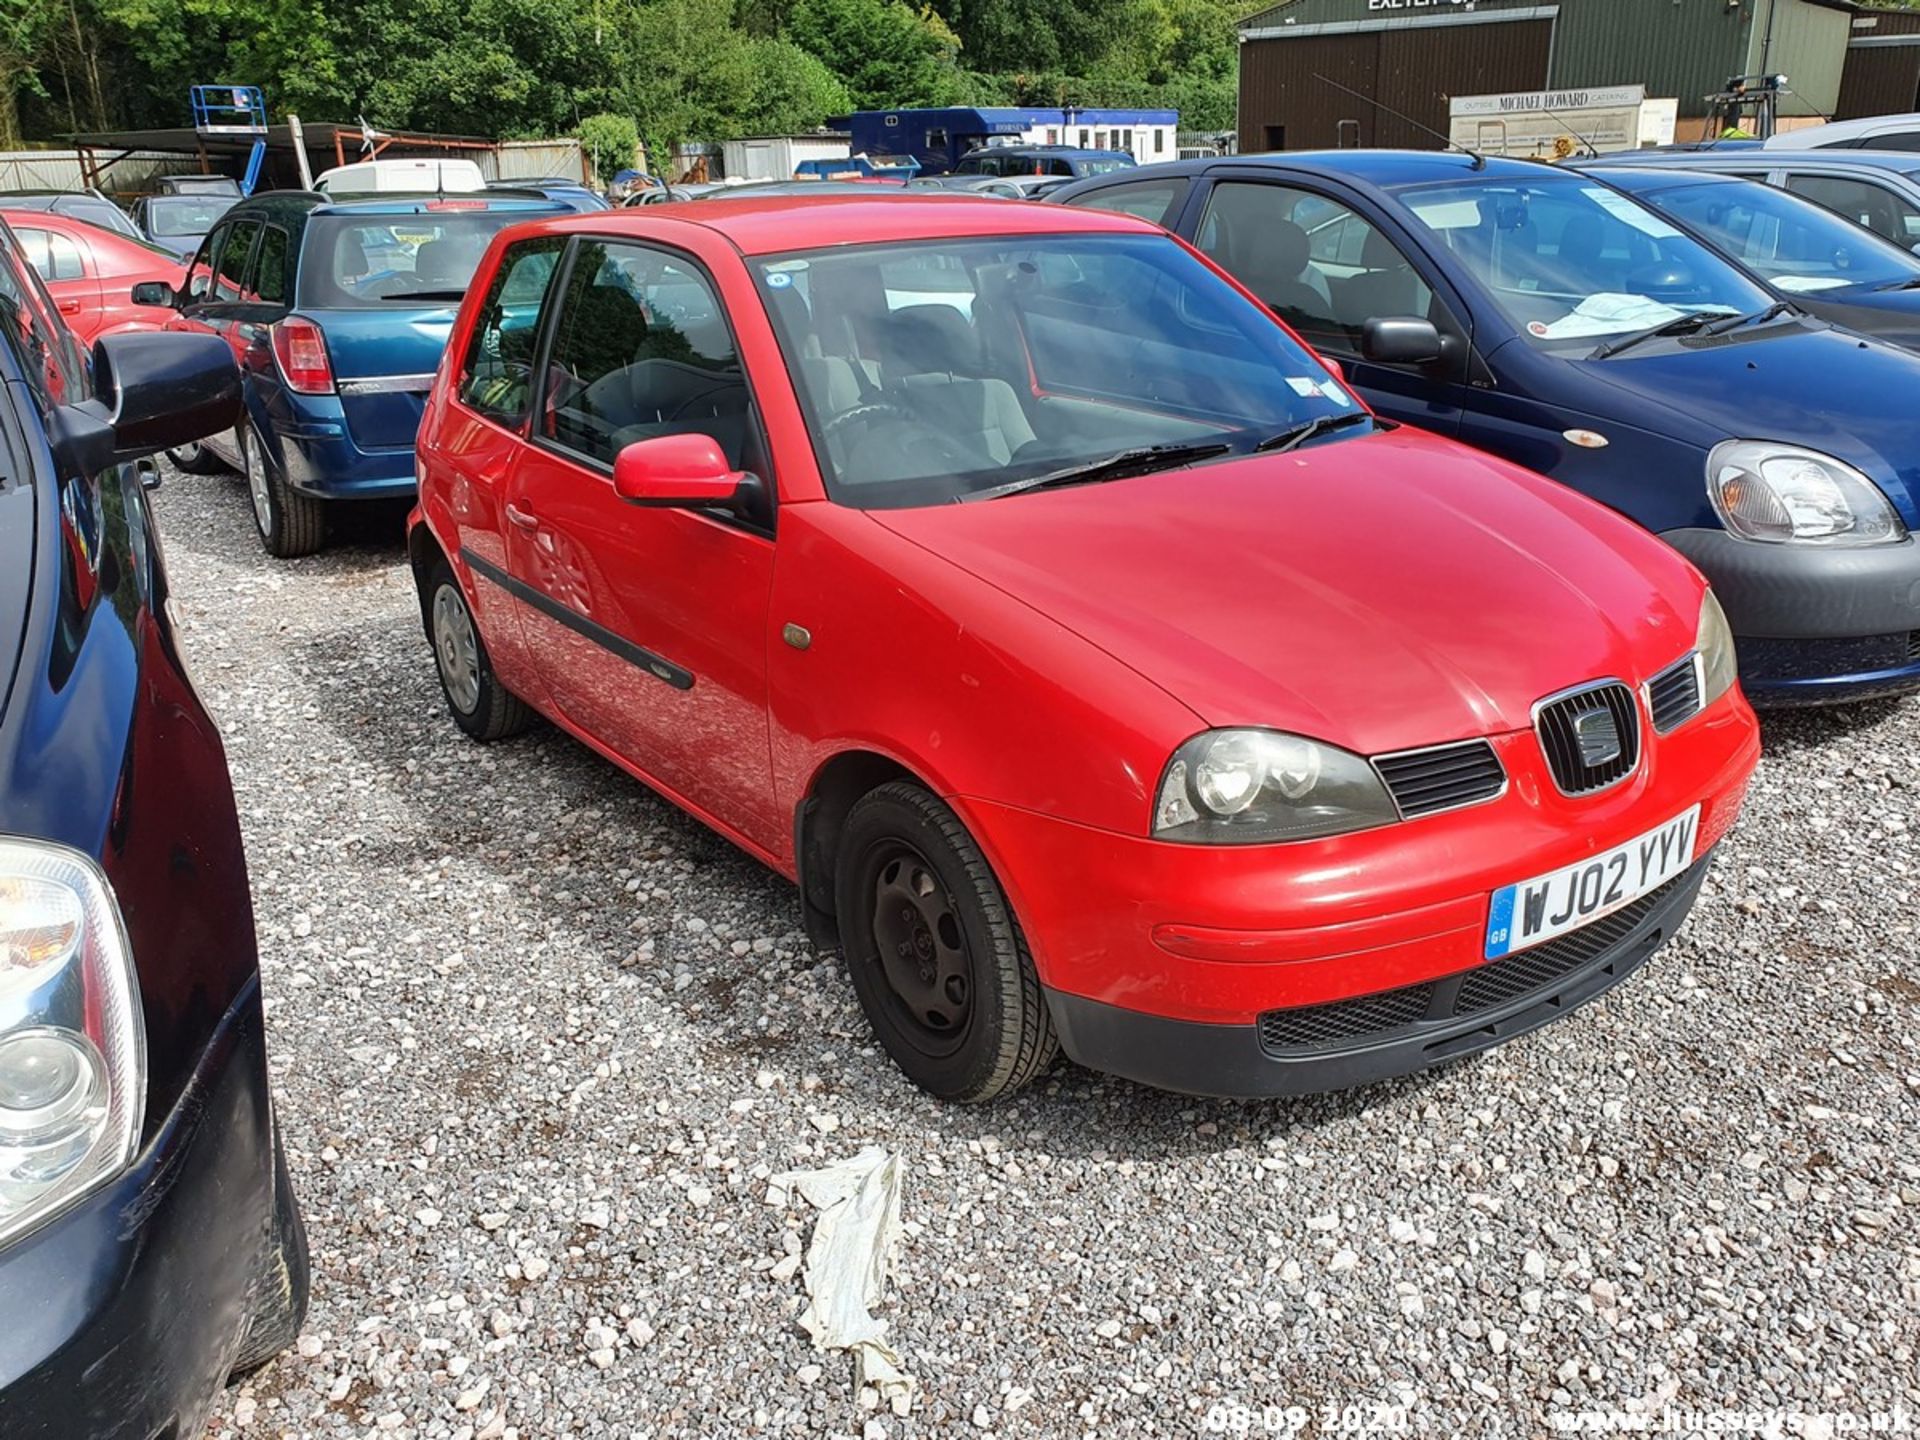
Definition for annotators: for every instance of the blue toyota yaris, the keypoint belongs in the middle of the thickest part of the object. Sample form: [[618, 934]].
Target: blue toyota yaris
[[1553, 320], [337, 311]]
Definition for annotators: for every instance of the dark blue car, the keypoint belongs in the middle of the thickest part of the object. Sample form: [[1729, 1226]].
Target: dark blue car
[[150, 1244], [1551, 319], [336, 311], [1803, 252]]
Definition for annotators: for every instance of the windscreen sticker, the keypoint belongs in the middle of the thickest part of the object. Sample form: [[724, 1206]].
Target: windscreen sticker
[[1307, 388], [779, 280], [1629, 213]]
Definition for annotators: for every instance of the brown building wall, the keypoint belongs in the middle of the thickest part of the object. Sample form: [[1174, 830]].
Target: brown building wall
[[1285, 104]]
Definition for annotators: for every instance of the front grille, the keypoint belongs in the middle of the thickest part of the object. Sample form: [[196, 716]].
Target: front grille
[[1312, 1025], [1674, 694], [1493, 986], [1442, 778], [1591, 737]]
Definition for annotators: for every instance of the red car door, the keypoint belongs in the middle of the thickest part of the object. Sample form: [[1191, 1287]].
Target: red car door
[[70, 275], [649, 625], [470, 455]]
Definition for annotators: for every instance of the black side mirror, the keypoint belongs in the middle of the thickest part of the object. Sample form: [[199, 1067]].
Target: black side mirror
[[1400, 340], [152, 391], [155, 292]]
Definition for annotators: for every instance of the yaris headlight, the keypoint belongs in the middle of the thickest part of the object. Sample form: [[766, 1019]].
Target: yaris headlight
[[72, 1041], [1247, 787], [1780, 493]]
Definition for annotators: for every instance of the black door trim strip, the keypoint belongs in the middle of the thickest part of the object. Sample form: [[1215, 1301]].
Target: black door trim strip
[[655, 665]]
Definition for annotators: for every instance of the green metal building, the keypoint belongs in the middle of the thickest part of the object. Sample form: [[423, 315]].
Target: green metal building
[[1416, 54]]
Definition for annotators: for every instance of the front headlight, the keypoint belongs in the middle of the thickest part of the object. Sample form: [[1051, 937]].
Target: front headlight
[[1247, 787], [1780, 493], [1714, 644], [72, 1042]]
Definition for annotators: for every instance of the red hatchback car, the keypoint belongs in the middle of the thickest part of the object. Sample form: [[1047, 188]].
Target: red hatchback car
[[1102, 671], [91, 272]]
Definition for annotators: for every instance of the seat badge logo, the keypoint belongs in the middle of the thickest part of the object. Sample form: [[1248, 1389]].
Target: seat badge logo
[[1598, 737]]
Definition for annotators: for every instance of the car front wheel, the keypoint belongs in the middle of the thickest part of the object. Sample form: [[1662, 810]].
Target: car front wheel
[[289, 523], [196, 459], [934, 951]]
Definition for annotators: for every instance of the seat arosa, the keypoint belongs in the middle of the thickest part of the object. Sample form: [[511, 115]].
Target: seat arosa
[[1101, 669]]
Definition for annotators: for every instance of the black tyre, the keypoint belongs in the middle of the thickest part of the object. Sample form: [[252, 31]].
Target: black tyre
[[281, 1280], [196, 459], [289, 523], [481, 705], [934, 952]]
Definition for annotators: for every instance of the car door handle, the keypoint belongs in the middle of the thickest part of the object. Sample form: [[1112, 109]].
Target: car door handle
[[525, 519], [69, 307]]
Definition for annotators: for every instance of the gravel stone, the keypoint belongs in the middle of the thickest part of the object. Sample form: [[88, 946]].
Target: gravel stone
[[504, 982]]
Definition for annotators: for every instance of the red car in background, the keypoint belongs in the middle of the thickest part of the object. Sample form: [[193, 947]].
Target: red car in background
[[1103, 672], [91, 272]]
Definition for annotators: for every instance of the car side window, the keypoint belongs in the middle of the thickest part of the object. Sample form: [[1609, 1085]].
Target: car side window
[[270, 282], [1893, 140], [51, 253], [1863, 202], [230, 268], [1151, 200], [642, 349], [496, 375], [45, 349], [1316, 264], [199, 284]]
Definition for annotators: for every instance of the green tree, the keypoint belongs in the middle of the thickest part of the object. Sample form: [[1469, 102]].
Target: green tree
[[885, 51], [609, 142]]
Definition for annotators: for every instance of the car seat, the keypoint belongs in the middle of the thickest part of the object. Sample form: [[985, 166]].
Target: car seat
[[1386, 286]]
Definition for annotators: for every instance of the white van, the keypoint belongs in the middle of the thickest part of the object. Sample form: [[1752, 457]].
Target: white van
[[415, 177]]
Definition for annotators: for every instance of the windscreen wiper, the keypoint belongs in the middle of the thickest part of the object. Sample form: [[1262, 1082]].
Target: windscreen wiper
[[1140, 460], [1913, 284], [425, 295], [1679, 325], [1295, 436]]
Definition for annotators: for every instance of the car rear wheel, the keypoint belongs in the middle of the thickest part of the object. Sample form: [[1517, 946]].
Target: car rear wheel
[[289, 523], [282, 1278], [196, 459], [934, 951], [481, 705]]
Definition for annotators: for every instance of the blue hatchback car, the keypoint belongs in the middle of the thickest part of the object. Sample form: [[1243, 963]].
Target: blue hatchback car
[[337, 311], [1545, 316]]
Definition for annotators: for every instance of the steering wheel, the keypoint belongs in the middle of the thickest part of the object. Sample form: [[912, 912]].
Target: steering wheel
[[867, 413], [940, 452]]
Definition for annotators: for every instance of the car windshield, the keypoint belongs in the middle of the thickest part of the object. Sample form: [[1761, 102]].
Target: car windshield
[[185, 216], [1795, 244], [1569, 261], [374, 262], [939, 370], [1106, 165]]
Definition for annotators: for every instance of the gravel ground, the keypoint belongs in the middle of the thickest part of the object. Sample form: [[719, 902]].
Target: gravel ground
[[539, 1040]]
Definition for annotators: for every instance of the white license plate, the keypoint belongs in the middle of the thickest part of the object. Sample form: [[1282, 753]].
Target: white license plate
[[1552, 904]]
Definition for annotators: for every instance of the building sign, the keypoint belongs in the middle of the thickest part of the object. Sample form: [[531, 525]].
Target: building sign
[[1419, 4], [1556, 124], [1608, 99]]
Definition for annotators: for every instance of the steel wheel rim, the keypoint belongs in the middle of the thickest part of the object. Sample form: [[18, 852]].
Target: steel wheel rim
[[919, 949], [257, 483], [457, 649], [185, 454]]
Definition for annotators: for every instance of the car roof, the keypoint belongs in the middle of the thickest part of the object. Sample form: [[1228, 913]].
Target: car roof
[[772, 224], [1818, 137], [1759, 157], [1382, 168], [1670, 177], [292, 203]]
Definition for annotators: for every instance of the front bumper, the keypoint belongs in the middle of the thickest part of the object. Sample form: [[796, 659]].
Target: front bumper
[[124, 1313], [1377, 1037], [1220, 937], [1815, 626]]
